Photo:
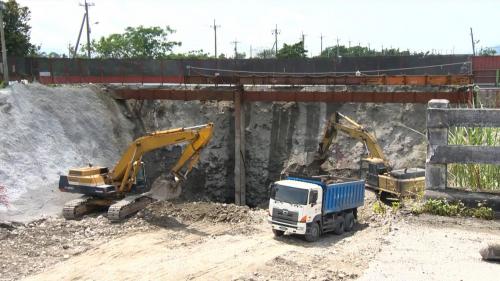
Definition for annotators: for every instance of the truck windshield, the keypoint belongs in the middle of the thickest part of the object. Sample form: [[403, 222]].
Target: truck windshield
[[289, 194]]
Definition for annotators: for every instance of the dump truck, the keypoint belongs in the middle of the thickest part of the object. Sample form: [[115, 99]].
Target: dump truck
[[375, 168], [311, 206], [124, 190]]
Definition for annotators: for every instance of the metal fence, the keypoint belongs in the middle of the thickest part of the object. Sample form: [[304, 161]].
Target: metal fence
[[57, 70]]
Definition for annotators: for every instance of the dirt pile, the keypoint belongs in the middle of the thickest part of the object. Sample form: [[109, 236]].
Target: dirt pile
[[163, 212], [47, 130]]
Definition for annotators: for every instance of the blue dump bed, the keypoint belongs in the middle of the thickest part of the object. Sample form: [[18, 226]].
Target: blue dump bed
[[339, 196]]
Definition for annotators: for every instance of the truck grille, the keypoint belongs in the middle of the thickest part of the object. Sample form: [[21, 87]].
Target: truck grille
[[285, 216]]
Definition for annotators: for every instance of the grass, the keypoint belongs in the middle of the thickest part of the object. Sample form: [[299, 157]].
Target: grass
[[442, 207], [477, 177], [379, 208]]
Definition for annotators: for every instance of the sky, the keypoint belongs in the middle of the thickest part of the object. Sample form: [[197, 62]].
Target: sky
[[418, 25]]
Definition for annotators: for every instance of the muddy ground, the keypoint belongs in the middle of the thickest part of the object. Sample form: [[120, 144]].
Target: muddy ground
[[213, 241]]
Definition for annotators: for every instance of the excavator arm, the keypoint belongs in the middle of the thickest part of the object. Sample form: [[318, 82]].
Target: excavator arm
[[354, 130], [126, 169]]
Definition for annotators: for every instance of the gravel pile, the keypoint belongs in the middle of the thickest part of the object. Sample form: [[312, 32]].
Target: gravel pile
[[199, 211]]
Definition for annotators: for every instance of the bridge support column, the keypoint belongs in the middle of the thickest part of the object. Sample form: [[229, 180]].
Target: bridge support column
[[239, 149]]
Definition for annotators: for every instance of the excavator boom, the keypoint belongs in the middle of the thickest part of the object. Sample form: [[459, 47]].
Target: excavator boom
[[354, 130], [127, 167]]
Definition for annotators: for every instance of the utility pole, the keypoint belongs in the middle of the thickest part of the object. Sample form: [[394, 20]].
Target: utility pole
[[275, 33], [86, 5], [215, 38], [4, 48], [303, 36], [79, 35], [235, 42], [251, 51], [321, 46], [338, 40], [473, 42]]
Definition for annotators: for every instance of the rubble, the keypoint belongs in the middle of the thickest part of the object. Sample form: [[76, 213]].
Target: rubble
[[162, 211]]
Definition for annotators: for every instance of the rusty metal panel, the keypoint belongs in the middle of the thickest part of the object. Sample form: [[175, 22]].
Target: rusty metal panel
[[486, 62]]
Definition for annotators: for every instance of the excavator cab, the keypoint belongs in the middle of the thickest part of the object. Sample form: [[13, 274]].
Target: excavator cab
[[141, 183], [370, 170]]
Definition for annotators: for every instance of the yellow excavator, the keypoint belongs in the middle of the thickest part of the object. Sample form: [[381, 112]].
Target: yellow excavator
[[123, 190], [375, 168]]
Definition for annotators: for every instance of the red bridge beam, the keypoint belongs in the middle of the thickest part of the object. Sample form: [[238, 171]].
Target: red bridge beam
[[292, 96], [420, 80]]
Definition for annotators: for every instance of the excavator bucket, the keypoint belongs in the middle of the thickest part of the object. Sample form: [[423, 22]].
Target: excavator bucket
[[165, 188]]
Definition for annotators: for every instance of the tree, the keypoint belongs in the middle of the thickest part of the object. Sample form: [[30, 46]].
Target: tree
[[196, 54], [357, 51], [17, 30], [292, 51], [136, 42], [240, 55], [265, 54], [487, 52]]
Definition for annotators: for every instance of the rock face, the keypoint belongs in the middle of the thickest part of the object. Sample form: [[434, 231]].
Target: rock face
[[280, 135], [47, 130]]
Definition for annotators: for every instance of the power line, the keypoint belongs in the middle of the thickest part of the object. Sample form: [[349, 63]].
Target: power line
[[215, 26], [326, 73]]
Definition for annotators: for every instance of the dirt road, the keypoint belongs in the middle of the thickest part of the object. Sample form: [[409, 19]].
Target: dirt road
[[206, 241]]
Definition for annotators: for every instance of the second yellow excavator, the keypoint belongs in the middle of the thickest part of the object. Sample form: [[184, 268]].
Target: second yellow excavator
[[122, 190], [375, 168]]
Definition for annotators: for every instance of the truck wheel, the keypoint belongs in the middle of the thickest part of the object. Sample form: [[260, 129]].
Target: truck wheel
[[278, 233], [313, 234], [340, 226], [349, 221]]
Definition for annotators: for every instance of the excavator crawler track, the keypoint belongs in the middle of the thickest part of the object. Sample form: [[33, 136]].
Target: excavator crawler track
[[75, 209], [127, 207]]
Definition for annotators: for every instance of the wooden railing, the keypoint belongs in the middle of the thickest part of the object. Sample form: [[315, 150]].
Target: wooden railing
[[439, 153]]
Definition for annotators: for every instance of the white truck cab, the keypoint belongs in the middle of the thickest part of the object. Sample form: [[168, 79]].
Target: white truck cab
[[312, 206], [293, 204]]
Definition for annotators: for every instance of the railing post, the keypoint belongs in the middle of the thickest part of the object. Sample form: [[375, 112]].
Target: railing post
[[436, 174]]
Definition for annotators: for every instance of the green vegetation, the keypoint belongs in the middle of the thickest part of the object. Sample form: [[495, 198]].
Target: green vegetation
[[292, 51], [476, 177], [17, 30], [442, 207], [379, 208], [266, 54], [357, 51], [136, 42], [487, 52]]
